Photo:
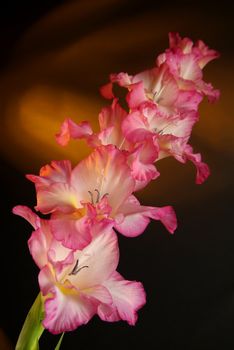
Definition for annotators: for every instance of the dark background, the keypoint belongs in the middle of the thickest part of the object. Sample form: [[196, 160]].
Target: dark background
[[51, 48]]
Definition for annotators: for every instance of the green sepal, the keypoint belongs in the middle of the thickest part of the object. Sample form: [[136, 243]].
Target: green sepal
[[32, 328]]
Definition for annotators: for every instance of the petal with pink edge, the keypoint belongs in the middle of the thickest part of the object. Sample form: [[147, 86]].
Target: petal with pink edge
[[39, 244], [71, 229], [104, 172], [128, 297], [27, 214], [101, 256], [71, 130], [66, 310], [57, 171], [137, 217], [58, 196], [203, 170]]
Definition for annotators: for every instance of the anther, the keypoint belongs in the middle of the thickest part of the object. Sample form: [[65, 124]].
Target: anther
[[98, 195], [76, 269], [91, 196]]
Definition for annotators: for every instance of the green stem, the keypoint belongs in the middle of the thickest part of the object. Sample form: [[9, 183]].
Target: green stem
[[32, 328]]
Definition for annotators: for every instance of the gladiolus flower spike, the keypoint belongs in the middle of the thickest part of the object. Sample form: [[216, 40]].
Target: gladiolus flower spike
[[76, 247]]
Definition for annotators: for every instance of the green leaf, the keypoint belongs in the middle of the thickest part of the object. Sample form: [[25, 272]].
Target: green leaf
[[60, 342], [32, 328]]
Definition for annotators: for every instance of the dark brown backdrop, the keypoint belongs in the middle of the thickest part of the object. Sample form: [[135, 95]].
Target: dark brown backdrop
[[54, 58]]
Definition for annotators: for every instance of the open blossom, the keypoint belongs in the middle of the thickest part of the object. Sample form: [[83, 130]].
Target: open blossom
[[140, 155], [186, 61], [175, 82], [98, 189], [76, 247], [169, 133], [77, 284], [164, 100]]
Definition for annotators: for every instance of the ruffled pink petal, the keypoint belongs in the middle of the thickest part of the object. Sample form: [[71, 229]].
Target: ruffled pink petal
[[28, 215], [188, 100], [136, 127], [71, 130], [128, 297], [136, 95], [100, 293], [137, 217], [189, 69], [141, 162], [72, 230], [57, 171], [39, 244], [40, 240], [58, 196], [175, 42], [203, 170], [46, 279], [208, 90], [59, 256], [66, 310], [123, 79], [101, 257], [104, 173], [204, 53], [110, 121]]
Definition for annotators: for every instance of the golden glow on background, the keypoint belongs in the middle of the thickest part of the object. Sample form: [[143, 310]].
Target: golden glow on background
[[59, 64]]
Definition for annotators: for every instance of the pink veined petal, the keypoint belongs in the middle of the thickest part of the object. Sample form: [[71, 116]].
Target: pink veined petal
[[46, 279], [188, 100], [40, 240], [72, 231], [137, 217], [66, 310], [108, 313], [189, 69], [203, 170], [27, 214], [136, 127], [71, 130], [57, 196], [136, 95], [141, 162], [128, 297], [100, 293], [204, 53], [176, 42], [57, 171], [180, 126], [166, 89], [101, 256], [208, 90], [123, 79], [39, 244], [104, 172], [110, 121]]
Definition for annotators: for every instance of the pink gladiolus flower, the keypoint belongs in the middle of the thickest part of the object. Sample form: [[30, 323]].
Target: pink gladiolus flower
[[98, 189], [170, 134], [77, 284], [140, 156], [186, 61]]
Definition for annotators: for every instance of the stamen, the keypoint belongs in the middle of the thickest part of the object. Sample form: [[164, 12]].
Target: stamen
[[98, 195], [91, 197], [75, 269]]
